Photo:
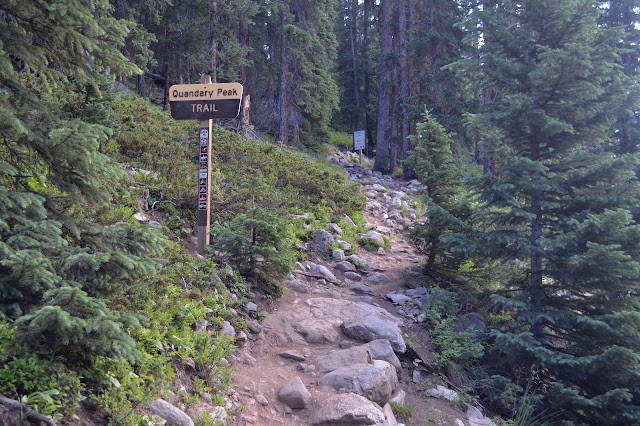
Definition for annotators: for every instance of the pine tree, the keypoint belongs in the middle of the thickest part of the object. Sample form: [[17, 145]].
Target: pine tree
[[440, 174], [254, 241], [559, 202], [55, 264]]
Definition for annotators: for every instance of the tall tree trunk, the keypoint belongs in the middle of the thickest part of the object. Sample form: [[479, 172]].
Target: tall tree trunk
[[352, 38], [283, 92], [404, 80], [213, 9], [384, 95], [243, 119], [367, 93], [413, 79]]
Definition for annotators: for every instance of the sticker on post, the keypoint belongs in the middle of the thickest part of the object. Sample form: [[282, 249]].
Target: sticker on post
[[202, 174], [204, 134]]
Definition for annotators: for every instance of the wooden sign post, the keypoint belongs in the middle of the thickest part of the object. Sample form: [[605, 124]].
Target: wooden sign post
[[359, 142], [205, 102]]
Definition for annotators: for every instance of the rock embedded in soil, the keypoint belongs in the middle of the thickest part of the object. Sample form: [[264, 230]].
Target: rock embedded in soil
[[375, 382], [361, 288], [338, 255], [345, 266], [353, 276], [323, 271], [333, 228], [346, 409], [172, 414], [298, 285], [379, 278], [398, 299], [292, 355], [294, 394], [367, 329], [381, 349], [337, 359], [322, 240]]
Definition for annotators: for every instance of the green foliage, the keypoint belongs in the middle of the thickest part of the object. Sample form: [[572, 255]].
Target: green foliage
[[255, 241], [558, 202], [402, 410], [448, 211]]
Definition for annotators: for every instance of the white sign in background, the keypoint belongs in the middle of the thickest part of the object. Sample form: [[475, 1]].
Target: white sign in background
[[358, 140]]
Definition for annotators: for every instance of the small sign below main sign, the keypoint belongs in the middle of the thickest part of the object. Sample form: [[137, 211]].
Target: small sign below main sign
[[205, 101], [358, 140]]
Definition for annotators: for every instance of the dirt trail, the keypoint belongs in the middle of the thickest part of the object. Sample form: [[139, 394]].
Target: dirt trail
[[260, 371]]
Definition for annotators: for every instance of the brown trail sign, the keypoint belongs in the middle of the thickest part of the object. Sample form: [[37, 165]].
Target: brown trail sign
[[205, 102]]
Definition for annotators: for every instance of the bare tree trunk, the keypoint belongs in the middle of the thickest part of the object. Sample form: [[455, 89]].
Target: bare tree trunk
[[404, 79], [356, 86], [384, 95], [213, 9], [367, 93], [283, 92], [412, 82]]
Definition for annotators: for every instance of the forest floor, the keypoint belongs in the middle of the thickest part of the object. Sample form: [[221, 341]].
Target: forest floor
[[260, 371]]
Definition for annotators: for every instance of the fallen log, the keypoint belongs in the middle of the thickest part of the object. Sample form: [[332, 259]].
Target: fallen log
[[28, 413]]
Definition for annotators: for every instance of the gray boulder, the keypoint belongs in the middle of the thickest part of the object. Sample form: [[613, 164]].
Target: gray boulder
[[381, 349], [335, 360], [361, 288], [333, 228], [346, 409], [172, 414], [322, 240], [379, 278], [367, 329], [298, 285], [345, 266], [338, 255], [322, 270], [353, 276], [294, 393], [398, 299], [376, 381]]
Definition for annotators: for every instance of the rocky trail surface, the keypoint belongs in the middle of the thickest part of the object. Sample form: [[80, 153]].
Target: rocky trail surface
[[333, 349]]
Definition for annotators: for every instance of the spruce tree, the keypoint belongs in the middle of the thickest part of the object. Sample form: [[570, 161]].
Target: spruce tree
[[439, 173], [254, 241], [560, 203], [56, 264]]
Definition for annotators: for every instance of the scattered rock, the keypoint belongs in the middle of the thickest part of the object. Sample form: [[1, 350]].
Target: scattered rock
[[353, 276], [241, 338], [442, 392], [333, 228], [361, 288], [172, 414], [373, 236], [294, 393], [299, 286], [458, 422], [335, 360], [381, 251], [323, 271], [345, 266], [338, 255], [345, 409], [367, 329], [322, 240], [379, 278], [292, 355], [252, 308], [348, 220], [398, 299], [227, 329], [415, 376], [481, 422], [381, 349], [345, 245], [375, 382], [260, 399]]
